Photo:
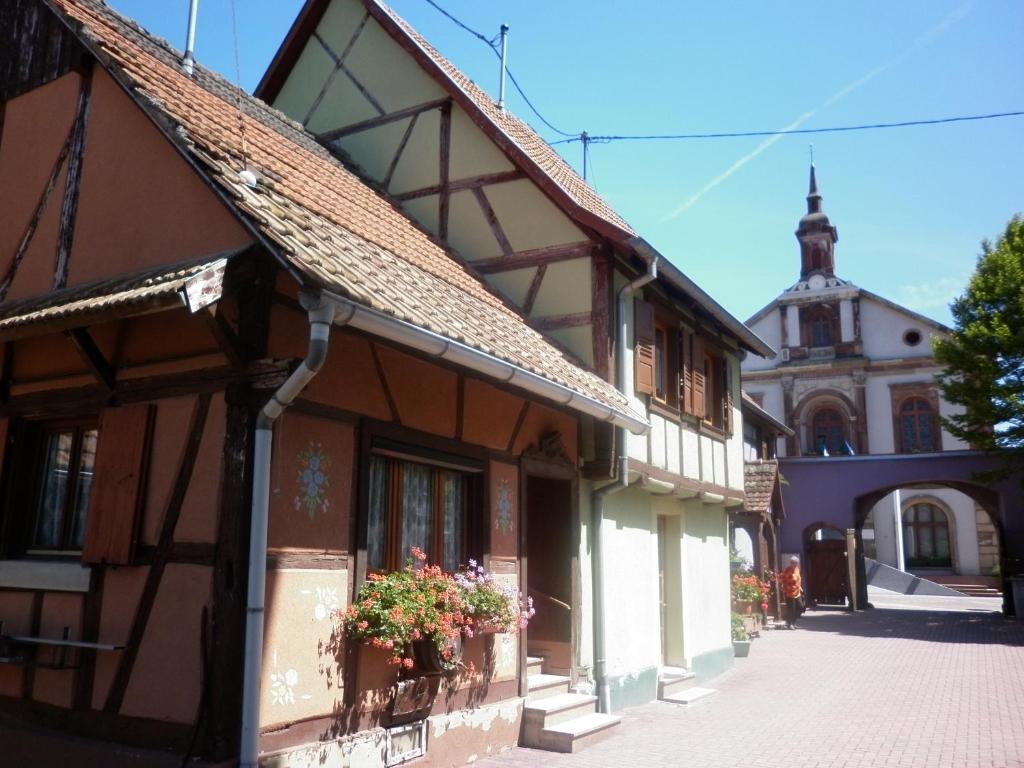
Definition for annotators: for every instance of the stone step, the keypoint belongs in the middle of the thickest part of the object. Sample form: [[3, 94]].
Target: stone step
[[553, 710], [534, 665], [542, 686], [573, 735], [672, 683], [690, 696]]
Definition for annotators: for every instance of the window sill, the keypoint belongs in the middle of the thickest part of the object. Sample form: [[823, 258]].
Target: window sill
[[45, 575]]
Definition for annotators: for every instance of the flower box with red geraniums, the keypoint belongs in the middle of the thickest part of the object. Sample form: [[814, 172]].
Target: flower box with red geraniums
[[749, 592], [420, 614]]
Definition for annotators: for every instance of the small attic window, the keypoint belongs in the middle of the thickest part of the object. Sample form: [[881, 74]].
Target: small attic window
[[912, 337]]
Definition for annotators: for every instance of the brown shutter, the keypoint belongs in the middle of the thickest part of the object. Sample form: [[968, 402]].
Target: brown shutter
[[699, 377], [118, 486], [643, 348], [727, 395], [685, 372]]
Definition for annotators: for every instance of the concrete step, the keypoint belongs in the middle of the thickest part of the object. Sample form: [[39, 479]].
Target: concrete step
[[690, 696], [573, 735], [542, 686], [974, 590], [675, 682], [534, 665], [551, 711]]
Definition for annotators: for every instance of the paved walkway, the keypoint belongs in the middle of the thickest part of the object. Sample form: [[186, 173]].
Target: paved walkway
[[879, 689]]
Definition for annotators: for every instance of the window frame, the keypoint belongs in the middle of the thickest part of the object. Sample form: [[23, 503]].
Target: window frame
[[843, 421], [474, 508], [929, 413], [917, 529], [24, 485]]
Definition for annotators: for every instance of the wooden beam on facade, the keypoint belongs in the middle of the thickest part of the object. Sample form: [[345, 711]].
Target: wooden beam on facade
[[165, 543], [386, 182], [533, 258], [459, 185], [492, 220], [69, 209], [37, 214], [444, 166], [225, 337], [376, 122], [534, 289], [339, 64], [93, 357], [553, 322], [338, 60], [601, 303]]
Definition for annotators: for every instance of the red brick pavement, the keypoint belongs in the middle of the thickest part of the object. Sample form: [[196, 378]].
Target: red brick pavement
[[879, 689]]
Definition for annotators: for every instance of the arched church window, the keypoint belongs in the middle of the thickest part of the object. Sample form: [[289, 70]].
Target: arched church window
[[917, 425], [828, 431], [926, 537]]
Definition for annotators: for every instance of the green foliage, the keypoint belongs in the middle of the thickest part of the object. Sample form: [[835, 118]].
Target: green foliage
[[739, 629], [984, 357]]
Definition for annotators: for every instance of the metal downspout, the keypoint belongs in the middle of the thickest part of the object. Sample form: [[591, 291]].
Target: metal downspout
[[321, 313], [598, 496]]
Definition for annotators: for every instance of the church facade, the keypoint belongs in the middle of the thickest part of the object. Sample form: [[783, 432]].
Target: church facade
[[856, 375]]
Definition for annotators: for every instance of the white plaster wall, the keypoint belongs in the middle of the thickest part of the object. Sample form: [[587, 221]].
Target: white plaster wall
[[884, 515], [632, 610], [706, 602], [965, 533], [673, 446], [691, 454], [657, 441], [707, 459], [882, 329], [769, 328], [878, 397], [718, 463]]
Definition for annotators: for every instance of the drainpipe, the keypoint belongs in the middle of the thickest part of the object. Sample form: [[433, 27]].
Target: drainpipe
[[625, 294], [321, 315], [598, 496]]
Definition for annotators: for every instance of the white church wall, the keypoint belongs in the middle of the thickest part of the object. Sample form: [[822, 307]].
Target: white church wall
[[770, 330], [882, 329]]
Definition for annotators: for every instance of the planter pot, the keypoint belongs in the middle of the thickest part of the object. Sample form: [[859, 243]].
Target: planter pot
[[428, 659], [747, 607], [741, 648], [487, 628]]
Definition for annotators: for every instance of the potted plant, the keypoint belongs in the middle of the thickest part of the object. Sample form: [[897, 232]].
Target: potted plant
[[417, 614], [492, 606], [740, 637]]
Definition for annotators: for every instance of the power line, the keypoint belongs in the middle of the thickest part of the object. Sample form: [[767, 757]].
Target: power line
[[588, 139], [492, 44], [794, 131]]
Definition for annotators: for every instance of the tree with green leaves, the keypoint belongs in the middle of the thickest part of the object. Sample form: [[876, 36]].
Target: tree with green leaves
[[984, 356]]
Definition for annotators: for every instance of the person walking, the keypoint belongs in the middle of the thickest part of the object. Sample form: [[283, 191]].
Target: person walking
[[792, 589]]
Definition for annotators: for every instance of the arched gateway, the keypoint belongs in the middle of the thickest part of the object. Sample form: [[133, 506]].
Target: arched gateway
[[840, 491]]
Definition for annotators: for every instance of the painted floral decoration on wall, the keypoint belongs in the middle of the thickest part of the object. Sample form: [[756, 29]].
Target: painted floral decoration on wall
[[503, 507], [312, 480]]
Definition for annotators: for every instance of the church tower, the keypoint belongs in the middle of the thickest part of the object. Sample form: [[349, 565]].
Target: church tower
[[817, 237]]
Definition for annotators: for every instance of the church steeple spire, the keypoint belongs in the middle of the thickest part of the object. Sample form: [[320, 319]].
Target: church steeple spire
[[817, 236]]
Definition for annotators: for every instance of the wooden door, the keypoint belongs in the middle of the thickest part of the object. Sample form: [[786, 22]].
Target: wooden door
[[826, 571]]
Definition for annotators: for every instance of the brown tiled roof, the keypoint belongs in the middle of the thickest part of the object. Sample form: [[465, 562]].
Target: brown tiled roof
[[759, 479], [526, 138], [327, 223], [156, 288]]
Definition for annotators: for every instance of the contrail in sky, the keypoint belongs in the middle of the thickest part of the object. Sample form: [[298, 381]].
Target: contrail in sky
[[950, 20]]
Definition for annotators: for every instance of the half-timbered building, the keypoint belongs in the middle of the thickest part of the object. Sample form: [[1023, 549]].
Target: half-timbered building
[[252, 354]]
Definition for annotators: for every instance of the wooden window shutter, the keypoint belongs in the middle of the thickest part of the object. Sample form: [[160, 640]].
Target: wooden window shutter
[[699, 377], [685, 371], [119, 484], [726, 395], [643, 348]]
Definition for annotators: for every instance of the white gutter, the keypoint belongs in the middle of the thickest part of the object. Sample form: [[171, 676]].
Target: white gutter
[[321, 317], [433, 344]]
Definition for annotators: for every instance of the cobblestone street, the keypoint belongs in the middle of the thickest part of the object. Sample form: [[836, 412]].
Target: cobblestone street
[[884, 688]]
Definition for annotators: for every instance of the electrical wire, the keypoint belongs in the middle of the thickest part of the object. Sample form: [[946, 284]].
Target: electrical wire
[[570, 138], [492, 43], [794, 131]]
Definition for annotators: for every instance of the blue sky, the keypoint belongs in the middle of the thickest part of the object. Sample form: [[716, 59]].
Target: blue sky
[[911, 204]]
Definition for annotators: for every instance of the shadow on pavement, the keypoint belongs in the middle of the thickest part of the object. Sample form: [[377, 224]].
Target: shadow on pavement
[[934, 626]]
